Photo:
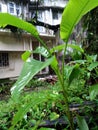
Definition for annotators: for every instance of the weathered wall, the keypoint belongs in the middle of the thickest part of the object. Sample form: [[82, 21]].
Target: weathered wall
[[14, 68], [15, 45], [14, 42]]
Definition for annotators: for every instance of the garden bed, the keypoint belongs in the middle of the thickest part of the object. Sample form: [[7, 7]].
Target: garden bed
[[51, 111]]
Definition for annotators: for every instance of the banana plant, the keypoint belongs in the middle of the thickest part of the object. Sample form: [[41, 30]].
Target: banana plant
[[73, 12]]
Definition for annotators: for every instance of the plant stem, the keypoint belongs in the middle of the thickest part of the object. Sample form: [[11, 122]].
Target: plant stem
[[67, 110], [61, 79], [68, 113]]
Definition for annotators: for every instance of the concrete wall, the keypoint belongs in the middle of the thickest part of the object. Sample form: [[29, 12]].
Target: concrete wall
[[15, 47], [14, 42], [14, 68]]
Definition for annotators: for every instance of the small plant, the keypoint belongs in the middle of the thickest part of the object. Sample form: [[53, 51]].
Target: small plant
[[70, 17]]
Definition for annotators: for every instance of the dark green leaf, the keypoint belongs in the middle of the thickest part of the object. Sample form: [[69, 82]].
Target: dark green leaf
[[82, 123], [93, 91], [74, 73]]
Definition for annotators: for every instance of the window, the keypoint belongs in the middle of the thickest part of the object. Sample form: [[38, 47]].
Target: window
[[17, 9], [14, 8], [40, 15], [33, 14], [11, 8], [4, 59], [55, 14]]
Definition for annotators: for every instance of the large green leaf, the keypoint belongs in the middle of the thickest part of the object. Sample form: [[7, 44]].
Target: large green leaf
[[73, 12], [93, 91], [74, 74], [31, 67], [7, 19], [82, 123]]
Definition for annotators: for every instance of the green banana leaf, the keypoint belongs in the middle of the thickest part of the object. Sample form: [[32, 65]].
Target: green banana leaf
[[30, 68], [73, 12], [7, 19]]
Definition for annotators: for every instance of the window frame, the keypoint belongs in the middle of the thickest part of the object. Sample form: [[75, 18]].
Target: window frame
[[4, 59], [16, 8], [55, 15], [11, 8]]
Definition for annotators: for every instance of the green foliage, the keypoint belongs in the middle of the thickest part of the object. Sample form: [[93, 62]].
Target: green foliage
[[92, 66], [32, 67], [51, 105], [82, 123], [93, 91], [39, 105]]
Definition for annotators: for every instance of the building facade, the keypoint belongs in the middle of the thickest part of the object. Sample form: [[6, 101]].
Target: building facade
[[48, 12], [15, 7], [13, 45]]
